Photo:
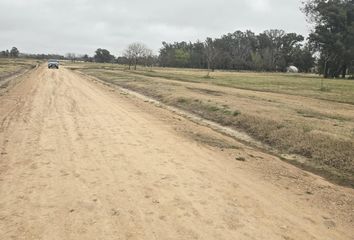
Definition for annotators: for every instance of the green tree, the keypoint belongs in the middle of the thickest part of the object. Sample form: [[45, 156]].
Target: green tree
[[182, 57], [86, 58], [303, 59], [272, 50], [14, 52], [333, 34], [290, 45], [103, 56]]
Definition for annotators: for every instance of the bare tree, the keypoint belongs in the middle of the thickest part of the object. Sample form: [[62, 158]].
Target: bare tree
[[71, 56], [148, 57], [136, 52], [129, 55]]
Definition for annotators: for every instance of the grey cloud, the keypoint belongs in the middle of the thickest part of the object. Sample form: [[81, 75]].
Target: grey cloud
[[81, 26]]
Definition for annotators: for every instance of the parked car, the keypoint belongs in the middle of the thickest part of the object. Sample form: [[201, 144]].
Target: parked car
[[53, 63]]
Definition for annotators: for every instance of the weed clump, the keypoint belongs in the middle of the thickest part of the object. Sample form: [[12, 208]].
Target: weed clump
[[182, 100], [236, 113]]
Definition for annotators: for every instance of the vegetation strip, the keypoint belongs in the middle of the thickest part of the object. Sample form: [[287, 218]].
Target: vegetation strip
[[329, 156], [13, 69]]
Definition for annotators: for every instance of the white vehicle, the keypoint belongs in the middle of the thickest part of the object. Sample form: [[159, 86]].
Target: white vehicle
[[53, 63]]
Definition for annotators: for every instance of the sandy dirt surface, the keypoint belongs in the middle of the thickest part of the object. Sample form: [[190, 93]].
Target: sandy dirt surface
[[80, 160]]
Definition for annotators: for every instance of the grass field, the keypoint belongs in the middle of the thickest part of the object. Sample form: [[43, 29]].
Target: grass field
[[296, 84], [293, 113], [11, 66], [309, 85]]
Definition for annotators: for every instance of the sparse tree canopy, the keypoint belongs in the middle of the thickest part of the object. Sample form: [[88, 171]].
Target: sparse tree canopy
[[136, 52], [71, 56], [211, 53]]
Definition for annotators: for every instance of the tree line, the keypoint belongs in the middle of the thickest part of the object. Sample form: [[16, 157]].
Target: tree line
[[13, 53], [331, 41], [272, 50], [329, 49]]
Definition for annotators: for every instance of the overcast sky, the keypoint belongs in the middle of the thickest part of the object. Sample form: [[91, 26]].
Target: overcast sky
[[82, 26]]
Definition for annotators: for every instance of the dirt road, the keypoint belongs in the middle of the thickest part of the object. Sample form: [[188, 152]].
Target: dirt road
[[80, 160]]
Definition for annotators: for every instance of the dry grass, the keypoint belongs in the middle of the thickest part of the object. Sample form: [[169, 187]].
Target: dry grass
[[308, 85], [10, 66], [291, 138], [337, 90], [319, 130]]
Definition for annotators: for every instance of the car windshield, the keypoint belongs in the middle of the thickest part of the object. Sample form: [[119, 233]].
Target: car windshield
[[52, 60]]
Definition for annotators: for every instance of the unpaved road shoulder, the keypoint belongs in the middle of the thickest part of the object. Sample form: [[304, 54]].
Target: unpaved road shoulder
[[81, 161]]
